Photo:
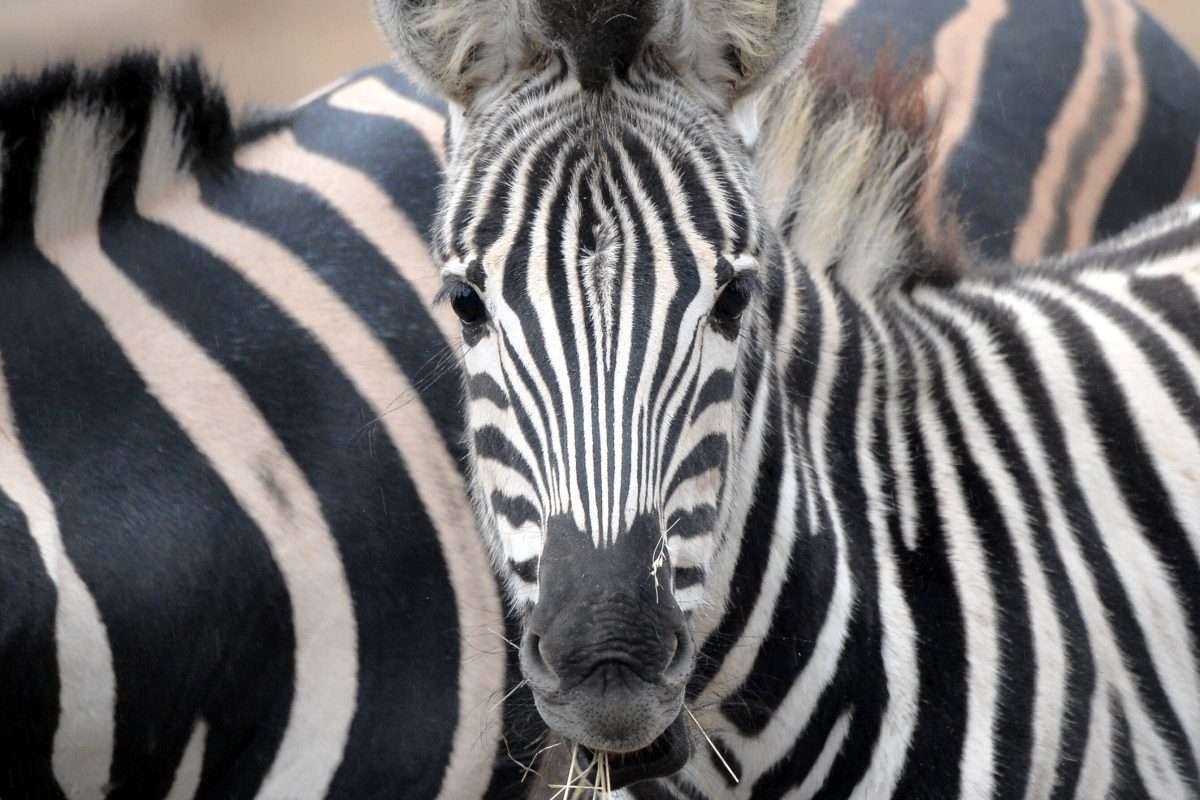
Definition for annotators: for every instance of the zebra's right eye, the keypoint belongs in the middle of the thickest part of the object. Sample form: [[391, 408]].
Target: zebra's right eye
[[467, 304], [733, 299]]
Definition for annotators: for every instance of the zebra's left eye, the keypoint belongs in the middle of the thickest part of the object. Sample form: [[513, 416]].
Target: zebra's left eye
[[733, 299], [467, 304]]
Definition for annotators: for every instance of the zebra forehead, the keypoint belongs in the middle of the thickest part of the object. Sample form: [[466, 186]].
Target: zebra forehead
[[646, 145]]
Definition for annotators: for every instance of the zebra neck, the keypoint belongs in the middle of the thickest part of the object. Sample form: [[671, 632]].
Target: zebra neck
[[801, 653], [795, 659]]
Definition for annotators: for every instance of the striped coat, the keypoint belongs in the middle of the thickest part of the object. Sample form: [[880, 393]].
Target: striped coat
[[237, 553]]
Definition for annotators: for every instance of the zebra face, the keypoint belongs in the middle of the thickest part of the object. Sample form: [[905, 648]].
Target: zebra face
[[601, 250]]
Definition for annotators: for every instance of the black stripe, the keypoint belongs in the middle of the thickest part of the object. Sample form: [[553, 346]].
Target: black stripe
[[756, 538], [392, 153], [1013, 727], [1174, 300], [709, 453], [517, 511], [991, 171], [928, 581], [687, 577], [1157, 169], [491, 444], [396, 81], [185, 585], [393, 562], [364, 280], [1141, 490], [699, 521], [1080, 677], [1127, 783], [482, 386], [28, 661], [860, 671], [525, 570], [717, 388]]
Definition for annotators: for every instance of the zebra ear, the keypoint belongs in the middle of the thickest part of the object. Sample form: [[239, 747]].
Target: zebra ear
[[736, 47], [456, 47]]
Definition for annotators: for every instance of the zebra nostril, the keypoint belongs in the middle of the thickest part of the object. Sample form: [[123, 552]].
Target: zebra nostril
[[679, 665], [543, 656], [535, 659]]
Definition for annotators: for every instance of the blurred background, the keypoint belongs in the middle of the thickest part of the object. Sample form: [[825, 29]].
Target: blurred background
[[270, 51]]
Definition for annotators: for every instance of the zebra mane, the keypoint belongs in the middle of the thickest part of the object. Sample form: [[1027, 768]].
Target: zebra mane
[[843, 156], [141, 118]]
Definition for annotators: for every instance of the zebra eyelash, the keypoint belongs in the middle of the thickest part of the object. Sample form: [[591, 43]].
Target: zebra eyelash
[[444, 295]]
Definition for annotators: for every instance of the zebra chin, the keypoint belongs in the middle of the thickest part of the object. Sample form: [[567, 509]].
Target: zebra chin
[[608, 652]]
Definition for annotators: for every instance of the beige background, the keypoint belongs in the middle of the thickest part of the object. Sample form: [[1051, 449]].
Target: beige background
[[268, 50]]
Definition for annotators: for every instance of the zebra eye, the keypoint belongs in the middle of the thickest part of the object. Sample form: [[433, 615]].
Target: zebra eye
[[467, 304], [733, 299]]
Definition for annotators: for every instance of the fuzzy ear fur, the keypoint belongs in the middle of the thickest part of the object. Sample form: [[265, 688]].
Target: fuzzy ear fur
[[736, 47], [730, 47], [457, 47]]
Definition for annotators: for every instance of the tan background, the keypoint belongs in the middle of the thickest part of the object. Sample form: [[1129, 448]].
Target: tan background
[[268, 50]]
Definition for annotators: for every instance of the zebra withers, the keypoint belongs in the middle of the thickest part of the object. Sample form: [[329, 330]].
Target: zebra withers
[[751, 436]]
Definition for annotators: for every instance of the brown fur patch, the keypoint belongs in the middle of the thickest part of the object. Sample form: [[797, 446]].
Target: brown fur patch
[[894, 91], [880, 115]]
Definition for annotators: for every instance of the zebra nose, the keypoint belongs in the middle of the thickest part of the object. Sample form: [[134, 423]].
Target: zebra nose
[[658, 653]]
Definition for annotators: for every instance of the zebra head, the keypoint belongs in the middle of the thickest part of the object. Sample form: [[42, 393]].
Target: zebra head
[[600, 239]]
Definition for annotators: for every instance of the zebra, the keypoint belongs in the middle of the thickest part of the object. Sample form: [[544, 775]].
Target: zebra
[[229, 488], [156, 636], [1039, 166], [765, 456]]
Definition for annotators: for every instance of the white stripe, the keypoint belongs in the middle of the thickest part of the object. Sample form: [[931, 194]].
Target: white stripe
[[566, 382], [968, 561], [834, 11], [72, 178], [1048, 654], [798, 705], [1193, 182], [816, 776], [362, 203], [191, 765], [1116, 286], [1171, 444], [373, 96], [735, 506], [1185, 264], [83, 741], [509, 331], [549, 124], [291, 284], [666, 284], [1096, 772], [738, 662], [223, 424], [960, 53], [1096, 484], [897, 635]]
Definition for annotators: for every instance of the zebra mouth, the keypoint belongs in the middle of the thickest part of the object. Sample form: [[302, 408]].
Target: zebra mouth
[[665, 756]]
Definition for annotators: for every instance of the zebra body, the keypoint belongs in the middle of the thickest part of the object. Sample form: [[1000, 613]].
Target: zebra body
[[230, 487], [158, 638], [1051, 116], [989, 491], [931, 525]]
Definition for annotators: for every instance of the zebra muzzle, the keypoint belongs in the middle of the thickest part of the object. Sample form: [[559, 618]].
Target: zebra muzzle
[[665, 756]]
